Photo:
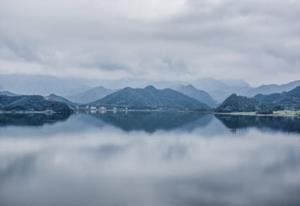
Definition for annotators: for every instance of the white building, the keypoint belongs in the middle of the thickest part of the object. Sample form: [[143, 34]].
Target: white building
[[92, 108]]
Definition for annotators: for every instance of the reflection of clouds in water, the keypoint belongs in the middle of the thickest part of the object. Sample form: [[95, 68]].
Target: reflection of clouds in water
[[112, 167], [160, 148]]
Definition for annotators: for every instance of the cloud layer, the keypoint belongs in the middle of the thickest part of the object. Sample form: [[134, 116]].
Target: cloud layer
[[258, 41]]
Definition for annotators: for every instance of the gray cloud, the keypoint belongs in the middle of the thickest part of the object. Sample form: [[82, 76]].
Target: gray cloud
[[258, 41]]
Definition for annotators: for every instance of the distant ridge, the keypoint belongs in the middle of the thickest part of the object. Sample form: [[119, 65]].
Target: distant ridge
[[90, 95], [273, 88], [41, 84], [285, 100], [150, 98], [221, 89], [197, 94]]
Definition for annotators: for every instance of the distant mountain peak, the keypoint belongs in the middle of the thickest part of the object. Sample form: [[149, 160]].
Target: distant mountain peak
[[188, 86], [233, 95], [91, 95], [193, 92], [52, 95], [150, 87], [295, 91]]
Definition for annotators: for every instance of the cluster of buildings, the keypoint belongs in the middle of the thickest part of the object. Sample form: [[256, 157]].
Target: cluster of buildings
[[101, 109]]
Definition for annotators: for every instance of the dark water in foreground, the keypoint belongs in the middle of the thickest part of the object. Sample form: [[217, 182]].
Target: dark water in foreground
[[149, 159]]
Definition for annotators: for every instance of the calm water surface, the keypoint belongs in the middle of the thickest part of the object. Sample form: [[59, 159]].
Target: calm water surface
[[149, 159]]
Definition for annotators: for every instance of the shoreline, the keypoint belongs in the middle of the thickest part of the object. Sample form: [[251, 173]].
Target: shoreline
[[141, 110], [29, 112], [285, 113]]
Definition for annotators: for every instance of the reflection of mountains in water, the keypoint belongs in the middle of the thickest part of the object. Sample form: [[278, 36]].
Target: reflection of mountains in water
[[153, 121], [31, 119], [283, 124]]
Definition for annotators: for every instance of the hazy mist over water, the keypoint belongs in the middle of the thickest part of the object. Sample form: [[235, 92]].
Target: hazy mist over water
[[166, 159]]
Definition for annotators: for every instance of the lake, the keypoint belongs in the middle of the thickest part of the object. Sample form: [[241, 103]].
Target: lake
[[149, 159]]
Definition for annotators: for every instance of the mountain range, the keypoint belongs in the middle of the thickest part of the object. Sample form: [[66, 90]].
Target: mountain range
[[287, 100], [146, 98], [150, 98], [208, 92], [262, 103], [77, 90]]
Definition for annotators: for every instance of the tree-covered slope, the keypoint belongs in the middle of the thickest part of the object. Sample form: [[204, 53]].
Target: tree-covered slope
[[31, 103], [235, 103], [150, 98], [56, 98], [262, 103]]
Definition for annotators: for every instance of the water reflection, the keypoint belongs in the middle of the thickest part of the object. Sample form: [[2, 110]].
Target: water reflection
[[153, 121], [284, 124], [96, 160], [31, 119]]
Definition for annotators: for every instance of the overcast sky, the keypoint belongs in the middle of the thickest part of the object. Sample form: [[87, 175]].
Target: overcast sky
[[254, 40]]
